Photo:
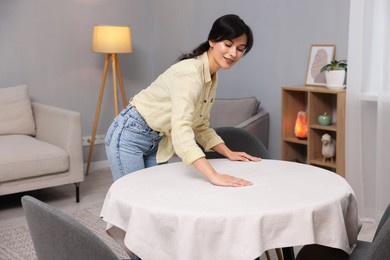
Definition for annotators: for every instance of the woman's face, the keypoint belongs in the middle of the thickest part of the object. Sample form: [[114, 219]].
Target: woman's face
[[226, 53]]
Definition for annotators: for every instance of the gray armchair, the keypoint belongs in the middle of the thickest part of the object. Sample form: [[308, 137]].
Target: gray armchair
[[245, 113], [47, 154]]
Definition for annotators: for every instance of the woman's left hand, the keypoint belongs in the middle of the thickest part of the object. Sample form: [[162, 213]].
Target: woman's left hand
[[242, 156]]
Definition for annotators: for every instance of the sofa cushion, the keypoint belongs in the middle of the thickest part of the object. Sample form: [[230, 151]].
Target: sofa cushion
[[18, 161], [231, 112], [16, 116]]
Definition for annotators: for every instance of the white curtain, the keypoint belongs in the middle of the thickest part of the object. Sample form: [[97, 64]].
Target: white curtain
[[368, 106]]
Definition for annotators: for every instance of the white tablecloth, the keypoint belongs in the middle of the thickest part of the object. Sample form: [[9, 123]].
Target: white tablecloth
[[172, 212]]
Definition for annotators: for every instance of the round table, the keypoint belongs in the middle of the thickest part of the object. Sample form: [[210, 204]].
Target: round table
[[172, 212]]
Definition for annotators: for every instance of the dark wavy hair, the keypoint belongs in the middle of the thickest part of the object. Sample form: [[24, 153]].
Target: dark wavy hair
[[226, 27]]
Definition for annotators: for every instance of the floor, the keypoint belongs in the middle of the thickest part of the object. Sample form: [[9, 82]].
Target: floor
[[92, 194]]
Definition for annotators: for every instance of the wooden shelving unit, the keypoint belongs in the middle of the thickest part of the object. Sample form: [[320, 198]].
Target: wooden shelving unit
[[316, 101]]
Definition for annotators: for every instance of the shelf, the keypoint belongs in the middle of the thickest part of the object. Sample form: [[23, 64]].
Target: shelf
[[319, 89], [332, 127], [295, 140], [315, 101], [320, 162], [295, 152]]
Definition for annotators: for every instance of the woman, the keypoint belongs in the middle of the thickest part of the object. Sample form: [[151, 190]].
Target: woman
[[172, 114]]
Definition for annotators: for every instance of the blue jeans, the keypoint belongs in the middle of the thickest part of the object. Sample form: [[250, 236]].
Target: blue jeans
[[131, 144]]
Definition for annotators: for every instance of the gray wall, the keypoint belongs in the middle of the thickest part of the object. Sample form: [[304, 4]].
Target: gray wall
[[47, 45]]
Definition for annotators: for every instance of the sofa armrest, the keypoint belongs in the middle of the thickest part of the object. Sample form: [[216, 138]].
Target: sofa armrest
[[258, 125], [61, 128]]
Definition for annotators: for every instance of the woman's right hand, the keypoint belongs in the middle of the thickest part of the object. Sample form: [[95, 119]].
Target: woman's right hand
[[228, 181], [217, 178]]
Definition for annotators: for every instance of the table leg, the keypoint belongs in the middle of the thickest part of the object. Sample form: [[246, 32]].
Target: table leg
[[288, 253]]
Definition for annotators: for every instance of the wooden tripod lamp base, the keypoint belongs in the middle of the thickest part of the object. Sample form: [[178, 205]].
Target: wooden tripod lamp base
[[115, 72], [109, 40]]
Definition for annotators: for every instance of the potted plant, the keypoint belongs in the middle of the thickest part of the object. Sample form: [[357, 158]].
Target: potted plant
[[335, 73]]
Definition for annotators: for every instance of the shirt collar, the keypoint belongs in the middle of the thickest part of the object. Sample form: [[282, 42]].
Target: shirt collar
[[206, 69]]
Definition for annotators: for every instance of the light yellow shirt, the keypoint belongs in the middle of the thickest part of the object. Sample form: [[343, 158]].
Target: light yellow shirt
[[177, 104]]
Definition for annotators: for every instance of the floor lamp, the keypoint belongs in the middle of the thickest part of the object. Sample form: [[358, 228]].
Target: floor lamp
[[110, 40]]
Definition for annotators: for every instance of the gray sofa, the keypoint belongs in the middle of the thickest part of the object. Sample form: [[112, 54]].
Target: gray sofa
[[243, 113], [41, 150]]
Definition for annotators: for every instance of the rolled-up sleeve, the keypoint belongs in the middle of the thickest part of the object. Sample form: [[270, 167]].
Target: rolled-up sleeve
[[207, 137]]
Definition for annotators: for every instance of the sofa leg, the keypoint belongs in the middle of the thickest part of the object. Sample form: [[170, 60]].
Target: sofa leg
[[77, 192]]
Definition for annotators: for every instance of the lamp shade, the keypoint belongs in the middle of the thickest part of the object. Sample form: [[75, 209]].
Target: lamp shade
[[111, 39]]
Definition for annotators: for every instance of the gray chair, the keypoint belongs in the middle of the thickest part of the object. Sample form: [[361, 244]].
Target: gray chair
[[56, 235], [378, 249], [238, 139]]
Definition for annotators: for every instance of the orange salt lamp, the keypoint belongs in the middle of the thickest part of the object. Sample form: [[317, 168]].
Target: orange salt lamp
[[300, 129]]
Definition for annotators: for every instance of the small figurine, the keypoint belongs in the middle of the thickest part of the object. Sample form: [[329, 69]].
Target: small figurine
[[328, 147]]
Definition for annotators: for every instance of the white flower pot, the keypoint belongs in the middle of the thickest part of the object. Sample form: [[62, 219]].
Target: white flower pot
[[335, 79]]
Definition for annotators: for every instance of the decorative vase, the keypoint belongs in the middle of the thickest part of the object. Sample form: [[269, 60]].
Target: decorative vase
[[335, 79]]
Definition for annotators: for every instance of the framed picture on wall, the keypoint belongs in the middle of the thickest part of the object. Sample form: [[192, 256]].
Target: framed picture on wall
[[320, 55]]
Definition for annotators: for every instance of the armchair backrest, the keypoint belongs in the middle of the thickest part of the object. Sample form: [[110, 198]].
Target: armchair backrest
[[232, 112]]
